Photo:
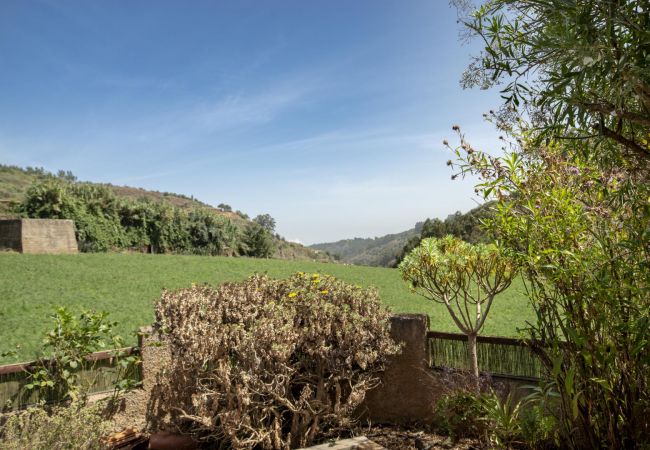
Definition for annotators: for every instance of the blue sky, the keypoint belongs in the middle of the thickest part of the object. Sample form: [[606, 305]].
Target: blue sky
[[329, 115]]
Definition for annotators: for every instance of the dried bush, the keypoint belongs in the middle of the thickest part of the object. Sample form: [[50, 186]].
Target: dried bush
[[271, 363], [74, 427]]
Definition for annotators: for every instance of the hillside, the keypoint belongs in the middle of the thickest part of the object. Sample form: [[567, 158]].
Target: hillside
[[387, 251], [15, 181], [379, 251]]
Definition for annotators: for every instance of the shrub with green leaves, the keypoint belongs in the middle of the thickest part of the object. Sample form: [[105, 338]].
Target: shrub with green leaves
[[57, 376], [104, 221], [579, 230], [271, 363], [459, 415], [499, 420], [257, 241]]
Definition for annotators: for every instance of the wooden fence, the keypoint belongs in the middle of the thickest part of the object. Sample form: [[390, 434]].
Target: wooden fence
[[499, 356], [100, 376]]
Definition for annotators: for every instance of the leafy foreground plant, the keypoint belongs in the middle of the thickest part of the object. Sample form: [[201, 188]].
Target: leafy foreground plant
[[459, 415], [499, 421], [73, 423], [271, 363], [69, 344], [580, 233]]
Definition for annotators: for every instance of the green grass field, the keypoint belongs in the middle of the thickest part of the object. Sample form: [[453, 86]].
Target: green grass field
[[126, 285]]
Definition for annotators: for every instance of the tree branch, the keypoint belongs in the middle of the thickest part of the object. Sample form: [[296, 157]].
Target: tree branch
[[636, 148], [611, 109]]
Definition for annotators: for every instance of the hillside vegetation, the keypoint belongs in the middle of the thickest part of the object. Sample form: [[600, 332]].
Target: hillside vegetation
[[126, 285], [389, 250], [379, 251], [15, 181], [111, 217]]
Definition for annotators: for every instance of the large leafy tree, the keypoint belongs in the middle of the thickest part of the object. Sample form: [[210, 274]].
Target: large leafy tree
[[579, 68], [572, 199], [258, 241], [265, 221]]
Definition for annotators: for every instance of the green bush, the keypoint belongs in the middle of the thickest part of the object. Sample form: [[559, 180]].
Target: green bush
[[538, 428], [460, 415], [257, 241], [58, 376], [580, 234], [497, 419], [106, 222], [502, 418], [271, 363]]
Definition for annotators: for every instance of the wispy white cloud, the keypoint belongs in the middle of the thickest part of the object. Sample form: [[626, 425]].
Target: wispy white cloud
[[245, 109], [193, 122], [368, 188]]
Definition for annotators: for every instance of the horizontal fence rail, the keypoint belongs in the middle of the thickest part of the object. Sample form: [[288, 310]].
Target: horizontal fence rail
[[499, 356], [99, 376]]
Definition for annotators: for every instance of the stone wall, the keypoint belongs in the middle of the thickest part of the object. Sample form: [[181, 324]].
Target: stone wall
[[38, 236]]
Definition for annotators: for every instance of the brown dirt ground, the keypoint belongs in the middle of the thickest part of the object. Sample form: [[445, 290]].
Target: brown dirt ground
[[400, 438], [131, 413]]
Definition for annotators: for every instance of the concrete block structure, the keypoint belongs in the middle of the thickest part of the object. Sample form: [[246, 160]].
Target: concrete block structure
[[408, 389], [53, 236]]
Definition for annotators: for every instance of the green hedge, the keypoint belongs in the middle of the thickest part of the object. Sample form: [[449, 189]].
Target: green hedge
[[104, 221]]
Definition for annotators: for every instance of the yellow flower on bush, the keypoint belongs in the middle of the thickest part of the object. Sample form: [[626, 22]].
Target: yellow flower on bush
[[325, 292], [292, 294]]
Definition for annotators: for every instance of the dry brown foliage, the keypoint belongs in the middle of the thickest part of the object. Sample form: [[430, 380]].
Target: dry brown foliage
[[271, 363]]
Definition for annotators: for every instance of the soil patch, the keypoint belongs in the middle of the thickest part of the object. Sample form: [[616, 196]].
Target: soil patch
[[402, 438]]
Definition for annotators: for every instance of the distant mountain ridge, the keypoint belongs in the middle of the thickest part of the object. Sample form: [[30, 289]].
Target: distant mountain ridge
[[388, 250], [379, 251]]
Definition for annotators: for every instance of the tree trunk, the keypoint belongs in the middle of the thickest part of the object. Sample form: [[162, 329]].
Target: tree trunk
[[473, 359]]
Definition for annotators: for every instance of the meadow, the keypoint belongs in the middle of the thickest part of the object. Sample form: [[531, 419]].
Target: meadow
[[126, 285]]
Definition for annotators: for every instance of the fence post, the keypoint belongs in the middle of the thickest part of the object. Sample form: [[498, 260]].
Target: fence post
[[155, 357], [408, 389]]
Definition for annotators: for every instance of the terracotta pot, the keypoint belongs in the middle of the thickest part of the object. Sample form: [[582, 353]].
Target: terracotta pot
[[169, 441]]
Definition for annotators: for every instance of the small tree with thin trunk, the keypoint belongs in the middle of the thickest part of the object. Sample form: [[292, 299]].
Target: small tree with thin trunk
[[463, 277]]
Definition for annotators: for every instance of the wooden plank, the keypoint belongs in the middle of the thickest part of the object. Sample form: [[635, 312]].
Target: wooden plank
[[98, 376], [15, 368], [499, 340], [97, 356]]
